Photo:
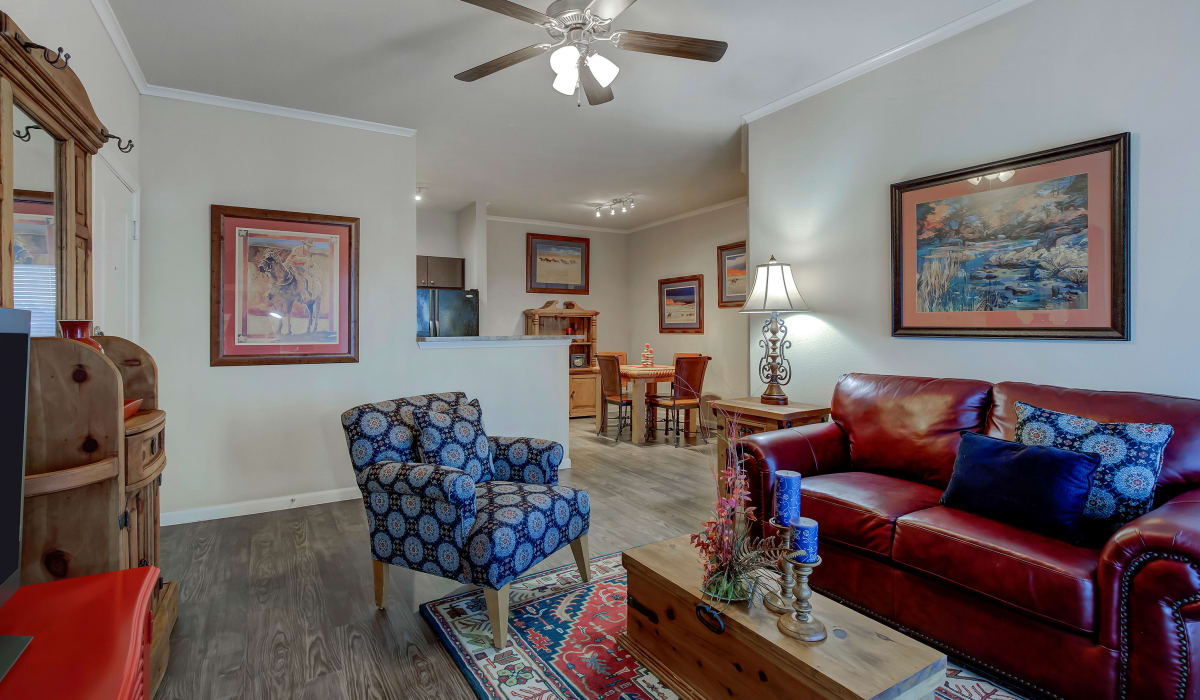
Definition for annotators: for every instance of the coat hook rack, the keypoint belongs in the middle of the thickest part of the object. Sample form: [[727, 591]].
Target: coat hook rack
[[122, 146], [25, 135], [56, 59]]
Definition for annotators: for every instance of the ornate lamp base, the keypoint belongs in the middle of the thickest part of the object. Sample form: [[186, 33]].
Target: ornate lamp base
[[801, 624], [773, 368]]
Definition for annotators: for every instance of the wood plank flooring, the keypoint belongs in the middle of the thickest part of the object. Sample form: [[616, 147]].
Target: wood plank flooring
[[279, 605]]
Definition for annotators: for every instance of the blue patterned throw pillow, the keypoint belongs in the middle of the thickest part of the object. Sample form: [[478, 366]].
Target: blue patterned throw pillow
[[455, 438], [1131, 457]]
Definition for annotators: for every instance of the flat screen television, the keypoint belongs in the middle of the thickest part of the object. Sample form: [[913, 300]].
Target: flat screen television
[[14, 388]]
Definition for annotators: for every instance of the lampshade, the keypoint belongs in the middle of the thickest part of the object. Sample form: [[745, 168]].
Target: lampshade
[[774, 290], [604, 69], [566, 81], [565, 58]]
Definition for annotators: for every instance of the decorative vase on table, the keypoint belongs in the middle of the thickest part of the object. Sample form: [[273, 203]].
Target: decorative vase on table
[[648, 356], [80, 330]]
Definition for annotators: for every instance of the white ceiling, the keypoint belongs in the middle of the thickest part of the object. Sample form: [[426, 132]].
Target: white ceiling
[[671, 136]]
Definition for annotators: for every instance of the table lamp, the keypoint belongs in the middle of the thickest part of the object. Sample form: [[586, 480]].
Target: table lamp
[[774, 291]]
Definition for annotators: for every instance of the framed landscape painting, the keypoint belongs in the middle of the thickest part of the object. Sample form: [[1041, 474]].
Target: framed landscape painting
[[557, 264], [681, 304], [1030, 247], [731, 275], [284, 287]]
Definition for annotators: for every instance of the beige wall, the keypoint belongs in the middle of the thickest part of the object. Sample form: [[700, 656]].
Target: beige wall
[[507, 297], [245, 439], [437, 233], [689, 247], [1051, 73]]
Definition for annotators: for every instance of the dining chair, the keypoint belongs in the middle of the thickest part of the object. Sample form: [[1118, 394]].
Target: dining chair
[[652, 411], [622, 358], [686, 390], [491, 514], [614, 393]]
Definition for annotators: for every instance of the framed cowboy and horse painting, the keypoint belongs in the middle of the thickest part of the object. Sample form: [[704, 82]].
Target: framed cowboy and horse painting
[[284, 287]]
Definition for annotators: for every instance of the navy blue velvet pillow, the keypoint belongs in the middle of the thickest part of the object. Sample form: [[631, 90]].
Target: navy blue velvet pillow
[[1043, 489]]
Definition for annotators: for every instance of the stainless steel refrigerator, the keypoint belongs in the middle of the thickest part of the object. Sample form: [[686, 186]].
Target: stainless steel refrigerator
[[447, 312]]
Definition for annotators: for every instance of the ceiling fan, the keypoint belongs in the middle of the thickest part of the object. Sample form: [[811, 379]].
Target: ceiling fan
[[575, 28]]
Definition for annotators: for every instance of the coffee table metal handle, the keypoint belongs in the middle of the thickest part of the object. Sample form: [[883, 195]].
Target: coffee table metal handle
[[637, 605], [710, 617]]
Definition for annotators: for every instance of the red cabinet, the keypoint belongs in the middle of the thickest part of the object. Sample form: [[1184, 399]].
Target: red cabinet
[[91, 637]]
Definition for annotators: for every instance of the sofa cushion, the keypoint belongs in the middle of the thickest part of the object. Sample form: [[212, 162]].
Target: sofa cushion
[[1040, 488], [908, 426], [455, 438], [1130, 457], [1049, 578], [1181, 460], [859, 509]]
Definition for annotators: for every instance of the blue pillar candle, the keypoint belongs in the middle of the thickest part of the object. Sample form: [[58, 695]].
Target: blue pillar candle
[[787, 497], [804, 532]]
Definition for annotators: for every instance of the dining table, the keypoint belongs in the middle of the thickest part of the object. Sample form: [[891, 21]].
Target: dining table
[[643, 380]]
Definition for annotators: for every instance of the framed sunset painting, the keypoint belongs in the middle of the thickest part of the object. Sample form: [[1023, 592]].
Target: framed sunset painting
[[284, 287], [1030, 247], [731, 275], [681, 304], [557, 264]]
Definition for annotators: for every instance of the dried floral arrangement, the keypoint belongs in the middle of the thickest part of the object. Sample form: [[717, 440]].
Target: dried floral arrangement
[[737, 567]]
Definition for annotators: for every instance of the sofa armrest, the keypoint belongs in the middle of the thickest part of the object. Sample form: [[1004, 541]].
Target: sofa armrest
[[526, 460], [818, 448], [1149, 598], [417, 489]]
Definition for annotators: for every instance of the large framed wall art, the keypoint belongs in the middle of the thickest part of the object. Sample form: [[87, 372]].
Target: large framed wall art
[[284, 287], [1030, 247], [681, 304], [557, 264]]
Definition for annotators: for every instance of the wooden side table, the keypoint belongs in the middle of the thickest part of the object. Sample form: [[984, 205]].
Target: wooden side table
[[747, 416]]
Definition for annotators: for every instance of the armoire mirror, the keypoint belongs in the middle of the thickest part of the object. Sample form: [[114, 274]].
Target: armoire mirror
[[35, 230], [48, 135]]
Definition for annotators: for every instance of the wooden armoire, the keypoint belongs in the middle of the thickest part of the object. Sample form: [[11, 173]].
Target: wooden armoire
[[92, 476]]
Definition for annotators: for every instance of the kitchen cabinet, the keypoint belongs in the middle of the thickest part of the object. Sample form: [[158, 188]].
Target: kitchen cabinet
[[440, 272]]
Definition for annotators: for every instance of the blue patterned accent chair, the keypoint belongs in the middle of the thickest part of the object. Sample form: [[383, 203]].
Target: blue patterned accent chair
[[485, 523]]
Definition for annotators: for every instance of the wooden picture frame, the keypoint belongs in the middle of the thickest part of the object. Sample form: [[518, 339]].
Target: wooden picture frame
[[563, 266], [731, 258], [1035, 246], [686, 293], [262, 259]]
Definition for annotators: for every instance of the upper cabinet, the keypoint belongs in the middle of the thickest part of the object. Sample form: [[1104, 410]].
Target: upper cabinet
[[48, 135], [440, 273]]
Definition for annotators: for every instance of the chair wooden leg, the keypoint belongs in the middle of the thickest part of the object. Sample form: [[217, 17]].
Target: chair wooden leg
[[580, 549], [497, 607], [381, 577]]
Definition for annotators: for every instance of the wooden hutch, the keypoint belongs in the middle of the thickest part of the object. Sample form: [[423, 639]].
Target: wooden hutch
[[579, 323], [91, 476]]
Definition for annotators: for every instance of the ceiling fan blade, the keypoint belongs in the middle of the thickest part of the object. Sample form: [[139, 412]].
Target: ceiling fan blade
[[672, 45], [496, 64], [609, 9], [512, 9], [596, 94]]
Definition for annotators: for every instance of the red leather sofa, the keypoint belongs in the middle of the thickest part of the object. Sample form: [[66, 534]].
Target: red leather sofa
[[1118, 621]]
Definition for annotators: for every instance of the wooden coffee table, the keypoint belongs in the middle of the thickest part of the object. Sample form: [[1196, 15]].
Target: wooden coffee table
[[861, 658]]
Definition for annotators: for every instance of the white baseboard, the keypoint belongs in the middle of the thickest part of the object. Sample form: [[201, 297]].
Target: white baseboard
[[266, 505], [260, 505]]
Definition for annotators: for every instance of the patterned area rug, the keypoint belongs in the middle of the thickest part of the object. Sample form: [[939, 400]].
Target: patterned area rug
[[562, 642]]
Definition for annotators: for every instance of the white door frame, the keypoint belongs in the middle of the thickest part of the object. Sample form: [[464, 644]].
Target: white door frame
[[133, 261]]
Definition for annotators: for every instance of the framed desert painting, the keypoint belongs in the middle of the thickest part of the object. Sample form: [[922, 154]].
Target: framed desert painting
[[557, 264], [1030, 247], [681, 304], [731, 275], [284, 287]]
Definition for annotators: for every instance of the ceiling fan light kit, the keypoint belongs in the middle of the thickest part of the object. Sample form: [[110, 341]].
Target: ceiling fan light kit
[[575, 28]]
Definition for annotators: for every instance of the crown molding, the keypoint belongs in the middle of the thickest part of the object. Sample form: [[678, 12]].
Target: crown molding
[[109, 19], [125, 51], [555, 224], [958, 26], [689, 214], [635, 229], [275, 110]]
